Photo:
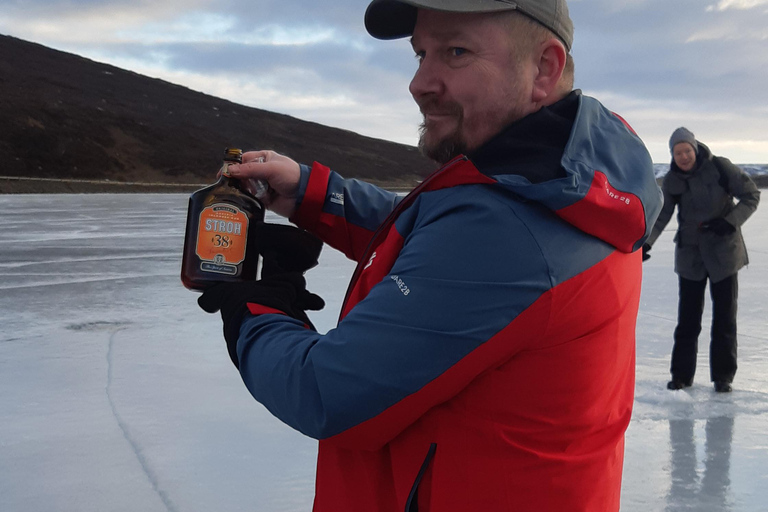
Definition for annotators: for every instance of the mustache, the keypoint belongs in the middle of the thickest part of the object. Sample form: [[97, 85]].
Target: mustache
[[432, 105]]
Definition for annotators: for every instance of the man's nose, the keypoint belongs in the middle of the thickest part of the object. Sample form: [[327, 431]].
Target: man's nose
[[427, 79]]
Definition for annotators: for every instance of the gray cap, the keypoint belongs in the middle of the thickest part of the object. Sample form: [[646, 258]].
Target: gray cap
[[683, 134], [393, 19]]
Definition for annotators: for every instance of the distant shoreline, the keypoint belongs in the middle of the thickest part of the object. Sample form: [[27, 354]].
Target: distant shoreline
[[29, 185]]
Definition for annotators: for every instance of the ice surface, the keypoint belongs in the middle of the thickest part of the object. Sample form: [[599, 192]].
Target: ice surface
[[116, 392], [754, 170]]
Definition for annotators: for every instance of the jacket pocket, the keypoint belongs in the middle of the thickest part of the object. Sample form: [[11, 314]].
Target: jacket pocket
[[412, 505]]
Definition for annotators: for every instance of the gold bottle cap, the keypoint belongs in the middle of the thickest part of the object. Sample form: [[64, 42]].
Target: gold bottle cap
[[233, 155]]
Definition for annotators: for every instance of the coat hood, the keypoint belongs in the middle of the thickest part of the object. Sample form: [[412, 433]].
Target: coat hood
[[584, 163]]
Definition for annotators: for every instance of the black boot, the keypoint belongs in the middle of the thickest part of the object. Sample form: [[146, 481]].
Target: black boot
[[675, 384], [723, 387]]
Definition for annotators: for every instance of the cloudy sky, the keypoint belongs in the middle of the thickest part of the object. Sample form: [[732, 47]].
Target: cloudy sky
[[659, 63]]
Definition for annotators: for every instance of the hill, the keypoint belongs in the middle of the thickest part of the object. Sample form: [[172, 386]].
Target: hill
[[70, 124], [70, 118]]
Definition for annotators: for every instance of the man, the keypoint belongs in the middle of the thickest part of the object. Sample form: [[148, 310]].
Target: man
[[484, 359], [708, 246]]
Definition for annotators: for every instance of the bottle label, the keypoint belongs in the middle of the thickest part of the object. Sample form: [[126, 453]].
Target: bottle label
[[222, 237]]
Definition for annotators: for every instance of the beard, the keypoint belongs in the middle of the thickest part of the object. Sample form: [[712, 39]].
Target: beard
[[468, 134], [447, 147]]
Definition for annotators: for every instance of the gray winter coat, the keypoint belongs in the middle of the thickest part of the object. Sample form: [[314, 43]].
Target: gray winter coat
[[703, 194]]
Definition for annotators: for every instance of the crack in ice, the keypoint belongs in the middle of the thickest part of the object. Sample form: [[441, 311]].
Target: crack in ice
[[135, 447]]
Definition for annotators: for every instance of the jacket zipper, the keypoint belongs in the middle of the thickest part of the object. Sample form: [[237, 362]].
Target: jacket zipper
[[412, 505]]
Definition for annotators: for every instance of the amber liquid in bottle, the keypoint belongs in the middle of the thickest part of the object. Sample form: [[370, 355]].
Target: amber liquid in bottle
[[219, 244]]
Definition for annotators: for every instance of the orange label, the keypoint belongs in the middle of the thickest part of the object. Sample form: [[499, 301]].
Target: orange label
[[222, 234]]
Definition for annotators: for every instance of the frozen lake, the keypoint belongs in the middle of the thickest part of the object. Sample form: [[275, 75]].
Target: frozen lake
[[117, 394]]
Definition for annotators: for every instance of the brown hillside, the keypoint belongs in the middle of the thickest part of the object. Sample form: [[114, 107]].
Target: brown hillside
[[63, 116]]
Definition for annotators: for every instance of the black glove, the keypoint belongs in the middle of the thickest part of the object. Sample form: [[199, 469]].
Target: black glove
[[286, 248], [646, 250], [718, 226], [285, 292]]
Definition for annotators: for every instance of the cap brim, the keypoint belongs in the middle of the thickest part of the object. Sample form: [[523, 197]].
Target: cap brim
[[390, 19], [393, 19]]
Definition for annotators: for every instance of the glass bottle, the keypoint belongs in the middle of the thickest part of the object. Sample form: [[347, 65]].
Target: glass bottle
[[219, 244]]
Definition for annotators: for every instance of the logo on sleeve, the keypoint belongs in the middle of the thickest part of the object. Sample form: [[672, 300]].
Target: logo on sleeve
[[400, 284], [615, 194]]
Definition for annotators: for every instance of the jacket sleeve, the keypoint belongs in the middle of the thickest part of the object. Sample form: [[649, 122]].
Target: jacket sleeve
[[664, 216], [741, 186], [465, 273], [344, 213]]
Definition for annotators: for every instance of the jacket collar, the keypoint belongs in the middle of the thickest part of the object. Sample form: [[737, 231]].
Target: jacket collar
[[533, 146]]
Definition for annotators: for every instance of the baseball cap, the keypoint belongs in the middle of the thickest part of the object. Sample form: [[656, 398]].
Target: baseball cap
[[393, 19]]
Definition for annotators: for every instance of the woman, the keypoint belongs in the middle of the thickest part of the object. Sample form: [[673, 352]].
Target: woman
[[709, 246]]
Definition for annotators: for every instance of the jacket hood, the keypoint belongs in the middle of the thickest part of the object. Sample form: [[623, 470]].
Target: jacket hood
[[584, 163]]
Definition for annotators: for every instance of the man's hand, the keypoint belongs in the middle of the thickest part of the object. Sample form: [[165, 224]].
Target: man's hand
[[718, 226], [646, 251], [287, 253], [286, 248], [279, 171], [284, 292]]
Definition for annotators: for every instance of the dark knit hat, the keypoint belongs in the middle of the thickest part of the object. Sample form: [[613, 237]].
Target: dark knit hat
[[683, 134]]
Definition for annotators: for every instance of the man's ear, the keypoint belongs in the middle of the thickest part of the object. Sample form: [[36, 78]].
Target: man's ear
[[551, 63]]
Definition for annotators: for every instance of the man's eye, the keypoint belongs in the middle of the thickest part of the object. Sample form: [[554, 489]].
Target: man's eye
[[457, 52], [419, 56]]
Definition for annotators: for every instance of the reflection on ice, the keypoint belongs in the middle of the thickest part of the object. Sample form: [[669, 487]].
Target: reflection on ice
[[693, 489], [117, 392]]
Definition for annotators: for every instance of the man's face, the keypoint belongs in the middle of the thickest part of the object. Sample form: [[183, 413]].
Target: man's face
[[471, 81], [684, 155]]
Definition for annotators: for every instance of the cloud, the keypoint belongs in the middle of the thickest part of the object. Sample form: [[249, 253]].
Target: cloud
[[659, 63], [724, 5], [735, 133]]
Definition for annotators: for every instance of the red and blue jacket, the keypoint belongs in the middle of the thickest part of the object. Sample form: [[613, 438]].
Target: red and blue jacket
[[484, 358]]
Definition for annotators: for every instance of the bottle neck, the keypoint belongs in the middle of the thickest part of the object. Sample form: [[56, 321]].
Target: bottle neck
[[229, 181]]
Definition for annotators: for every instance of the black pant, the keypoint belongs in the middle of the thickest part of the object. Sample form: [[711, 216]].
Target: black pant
[[722, 349]]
